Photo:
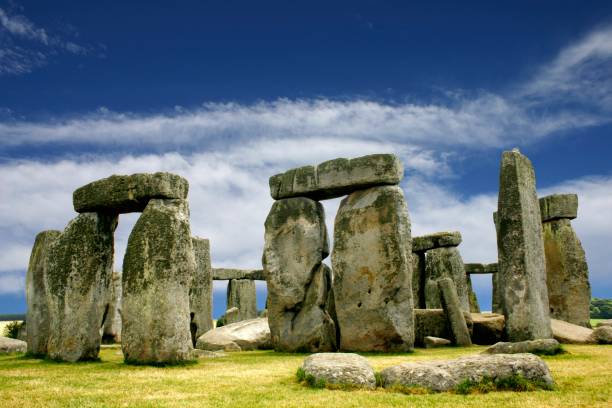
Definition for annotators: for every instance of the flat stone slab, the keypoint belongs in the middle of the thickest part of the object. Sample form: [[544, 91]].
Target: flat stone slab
[[437, 240], [231, 273], [338, 177], [557, 206], [602, 335], [8, 345], [341, 369], [253, 334], [569, 333], [479, 268], [432, 342], [125, 194], [539, 346]]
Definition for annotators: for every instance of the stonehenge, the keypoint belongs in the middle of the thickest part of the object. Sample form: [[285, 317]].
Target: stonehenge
[[200, 291], [241, 294], [112, 323]]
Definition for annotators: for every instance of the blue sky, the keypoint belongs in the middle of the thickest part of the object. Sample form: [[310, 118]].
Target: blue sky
[[229, 93]]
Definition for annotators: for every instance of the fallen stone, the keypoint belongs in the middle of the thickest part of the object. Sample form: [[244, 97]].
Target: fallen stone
[[607, 322], [452, 308], [253, 334], [373, 271], [558, 206], [568, 333], [200, 293], [434, 323], [540, 346], [230, 273], [241, 294], [602, 335], [124, 194], [9, 346], [208, 354], [111, 332], [488, 328], [432, 342], [338, 177], [340, 369], [445, 262], [437, 240], [445, 375]]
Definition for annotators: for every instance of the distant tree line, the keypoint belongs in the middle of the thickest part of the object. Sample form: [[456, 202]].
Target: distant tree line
[[601, 308]]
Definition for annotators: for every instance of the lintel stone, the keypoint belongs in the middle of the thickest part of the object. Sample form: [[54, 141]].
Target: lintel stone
[[231, 273], [557, 206], [437, 240], [478, 268]]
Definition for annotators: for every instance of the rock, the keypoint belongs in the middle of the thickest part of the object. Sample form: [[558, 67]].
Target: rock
[[522, 268], [473, 300], [8, 346], [157, 270], [231, 315], [602, 335], [567, 274], [229, 274], [445, 375], [568, 333], [558, 206], [436, 240], [338, 177], [36, 297], [418, 279], [454, 313], [124, 194], [200, 293], [478, 268], [441, 263], [496, 295], [488, 328], [431, 342], [112, 323], [208, 354], [434, 323], [539, 346], [253, 334], [607, 322], [373, 271], [340, 369], [300, 309], [241, 294], [80, 265]]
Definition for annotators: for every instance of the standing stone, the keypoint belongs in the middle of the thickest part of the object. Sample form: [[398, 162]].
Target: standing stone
[[441, 263], [241, 294], [157, 270], [567, 273], [474, 306], [112, 323], [418, 279], [373, 271], [77, 282], [37, 328], [454, 312], [522, 268], [200, 293], [300, 300], [496, 300]]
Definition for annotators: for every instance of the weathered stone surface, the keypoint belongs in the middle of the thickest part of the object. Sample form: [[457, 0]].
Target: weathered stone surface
[[373, 271], [300, 302], [496, 296], [569, 333], [418, 279], [231, 273], [478, 268], [434, 323], [539, 346], [432, 342], [208, 354], [567, 274], [157, 270], [488, 328], [241, 294], [522, 269], [454, 312], [437, 240], [124, 194], [77, 283], [8, 345], [36, 295], [558, 206], [607, 322], [338, 177], [340, 369], [444, 375], [473, 300], [602, 335], [112, 322], [231, 315], [445, 262], [200, 293], [253, 334]]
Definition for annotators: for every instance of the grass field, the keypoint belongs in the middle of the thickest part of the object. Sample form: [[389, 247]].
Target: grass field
[[265, 378]]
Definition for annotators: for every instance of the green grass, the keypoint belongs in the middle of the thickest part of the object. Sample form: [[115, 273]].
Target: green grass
[[264, 378]]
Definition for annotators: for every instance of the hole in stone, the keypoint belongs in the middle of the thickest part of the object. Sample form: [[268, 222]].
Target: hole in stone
[[359, 304], [369, 291]]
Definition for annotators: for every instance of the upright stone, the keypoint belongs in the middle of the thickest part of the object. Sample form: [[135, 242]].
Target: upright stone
[[440, 263], [200, 293], [474, 306], [522, 268], [112, 323], [242, 294], [453, 309], [418, 279], [157, 270], [77, 283], [300, 301], [37, 316], [373, 271]]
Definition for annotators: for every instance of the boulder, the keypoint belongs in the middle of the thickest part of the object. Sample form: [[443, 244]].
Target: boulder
[[80, 265], [522, 268], [232, 273], [300, 304], [200, 293], [432, 342], [112, 323], [445, 262], [8, 345], [158, 267], [241, 294], [340, 369], [37, 330], [436, 240], [539, 346], [607, 322], [445, 375], [373, 271], [602, 335], [124, 194], [454, 313], [557, 206], [569, 333], [488, 328], [253, 334], [434, 323]]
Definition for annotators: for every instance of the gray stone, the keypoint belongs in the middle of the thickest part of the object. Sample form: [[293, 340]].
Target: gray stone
[[522, 268], [124, 194], [300, 309], [340, 369], [338, 177], [200, 293], [558, 206], [373, 271], [478, 268], [445, 262], [436, 240], [539, 346], [241, 294], [77, 283], [474, 306], [208, 354], [445, 375], [454, 312], [231, 315], [158, 267], [253, 334], [496, 295], [418, 279], [602, 335], [434, 323], [488, 328], [36, 295], [9, 346], [568, 333], [112, 322], [232, 273], [432, 342]]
